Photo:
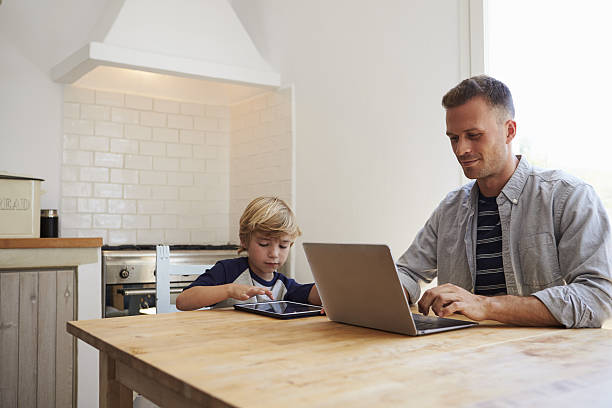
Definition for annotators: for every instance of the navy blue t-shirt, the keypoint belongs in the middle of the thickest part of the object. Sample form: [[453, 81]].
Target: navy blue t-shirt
[[237, 271]]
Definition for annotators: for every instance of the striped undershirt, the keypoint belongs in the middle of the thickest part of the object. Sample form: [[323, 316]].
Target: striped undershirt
[[490, 279]]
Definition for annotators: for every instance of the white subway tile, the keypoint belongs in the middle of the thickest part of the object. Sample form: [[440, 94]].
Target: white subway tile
[[109, 98], [163, 105], [93, 174], [190, 221], [152, 177], [195, 137], [267, 115], [71, 110], [217, 139], [108, 190], [121, 206], [94, 233], [69, 205], [177, 207], [91, 205], [215, 221], [138, 162], [77, 157], [71, 142], [79, 127], [76, 220], [137, 132], [138, 102], [137, 191], [150, 207], [120, 237], [95, 143], [205, 152], [124, 176], [79, 95], [136, 221], [180, 179], [217, 166], [194, 109], [95, 112], [224, 125], [222, 235], [163, 221], [191, 193], [166, 135], [218, 111], [176, 236], [202, 237], [205, 179], [180, 122], [259, 102], [108, 160], [206, 123], [179, 150], [123, 146], [164, 163], [108, 129], [154, 119], [106, 221], [153, 148], [164, 192], [195, 165], [121, 115], [149, 236]]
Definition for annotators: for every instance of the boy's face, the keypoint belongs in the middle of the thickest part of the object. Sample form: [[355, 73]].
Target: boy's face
[[266, 253]]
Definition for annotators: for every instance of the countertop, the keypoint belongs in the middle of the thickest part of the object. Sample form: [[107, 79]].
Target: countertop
[[29, 243]]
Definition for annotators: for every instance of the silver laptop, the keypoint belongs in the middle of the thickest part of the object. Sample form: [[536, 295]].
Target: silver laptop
[[359, 285]]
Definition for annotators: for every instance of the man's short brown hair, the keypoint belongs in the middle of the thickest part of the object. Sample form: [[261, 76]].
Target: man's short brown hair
[[495, 92]]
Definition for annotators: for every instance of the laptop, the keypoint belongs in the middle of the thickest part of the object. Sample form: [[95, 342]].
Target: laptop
[[359, 285]]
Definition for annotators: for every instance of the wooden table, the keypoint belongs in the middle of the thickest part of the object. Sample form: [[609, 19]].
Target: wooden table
[[224, 358]]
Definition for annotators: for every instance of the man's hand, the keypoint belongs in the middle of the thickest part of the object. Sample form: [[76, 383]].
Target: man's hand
[[244, 292], [448, 299]]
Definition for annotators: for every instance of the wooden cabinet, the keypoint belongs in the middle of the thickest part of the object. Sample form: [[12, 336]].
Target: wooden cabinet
[[37, 354]]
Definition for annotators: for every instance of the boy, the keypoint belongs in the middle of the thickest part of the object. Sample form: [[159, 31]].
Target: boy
[[267, 232]]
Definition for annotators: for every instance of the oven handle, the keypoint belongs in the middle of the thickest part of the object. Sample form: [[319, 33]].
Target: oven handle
[[133, 292]]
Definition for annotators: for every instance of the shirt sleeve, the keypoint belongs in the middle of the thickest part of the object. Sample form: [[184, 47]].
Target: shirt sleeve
[[419, 262], [296, 292], [212, 277], [585, 259]]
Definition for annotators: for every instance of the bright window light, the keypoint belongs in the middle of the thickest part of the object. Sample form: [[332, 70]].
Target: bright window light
[[556, 58]]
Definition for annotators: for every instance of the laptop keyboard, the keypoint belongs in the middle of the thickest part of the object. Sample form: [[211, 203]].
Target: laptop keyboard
[[429, 322]]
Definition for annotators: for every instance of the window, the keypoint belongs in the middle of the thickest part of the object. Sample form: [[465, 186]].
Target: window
[[555, 58]]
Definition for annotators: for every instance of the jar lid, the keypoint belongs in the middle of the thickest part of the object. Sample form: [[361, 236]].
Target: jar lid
[[48, 213]]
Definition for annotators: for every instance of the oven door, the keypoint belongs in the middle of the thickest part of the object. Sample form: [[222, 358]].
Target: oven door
[[135, 298]]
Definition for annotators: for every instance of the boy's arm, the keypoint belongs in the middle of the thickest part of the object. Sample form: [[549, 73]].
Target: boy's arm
[[197, 297], [313, 296]]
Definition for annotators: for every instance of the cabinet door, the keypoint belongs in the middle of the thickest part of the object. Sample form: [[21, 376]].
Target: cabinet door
[[37, 353]]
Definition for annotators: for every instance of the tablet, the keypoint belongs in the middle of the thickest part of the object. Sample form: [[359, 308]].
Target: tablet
[[281, 309]]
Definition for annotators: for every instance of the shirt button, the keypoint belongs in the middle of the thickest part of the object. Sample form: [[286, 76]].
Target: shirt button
[[515, 201]]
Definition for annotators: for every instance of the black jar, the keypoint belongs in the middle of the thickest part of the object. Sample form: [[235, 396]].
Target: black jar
[[49, 224]]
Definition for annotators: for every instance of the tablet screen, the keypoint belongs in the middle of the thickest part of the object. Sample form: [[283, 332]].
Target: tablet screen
[[280, 309]]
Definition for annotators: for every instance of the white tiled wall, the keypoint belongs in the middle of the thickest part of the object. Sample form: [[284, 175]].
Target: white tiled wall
[[260, 151], [144, 170]]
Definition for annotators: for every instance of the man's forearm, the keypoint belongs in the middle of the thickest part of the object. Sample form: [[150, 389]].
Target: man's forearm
[[520, 311]]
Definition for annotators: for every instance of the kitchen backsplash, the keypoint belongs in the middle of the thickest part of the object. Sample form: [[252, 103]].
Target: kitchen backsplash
[[141, 170]]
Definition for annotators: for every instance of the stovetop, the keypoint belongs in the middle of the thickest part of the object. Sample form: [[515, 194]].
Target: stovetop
[[139, 247]]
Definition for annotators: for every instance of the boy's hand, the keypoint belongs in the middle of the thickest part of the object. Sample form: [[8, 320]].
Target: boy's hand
[[244, 292]]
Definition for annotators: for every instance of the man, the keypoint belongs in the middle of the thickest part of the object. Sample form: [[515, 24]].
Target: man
[[520, 245]]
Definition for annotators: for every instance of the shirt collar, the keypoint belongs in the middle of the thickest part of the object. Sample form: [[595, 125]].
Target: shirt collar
[[513, 188]]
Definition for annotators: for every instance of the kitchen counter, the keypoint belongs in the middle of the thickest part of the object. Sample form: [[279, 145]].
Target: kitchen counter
[[25, 243]]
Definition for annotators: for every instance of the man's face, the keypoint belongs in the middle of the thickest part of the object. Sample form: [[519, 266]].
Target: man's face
[[480, 140]]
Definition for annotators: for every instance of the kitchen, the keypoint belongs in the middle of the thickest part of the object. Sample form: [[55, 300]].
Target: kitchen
[[357, 92]]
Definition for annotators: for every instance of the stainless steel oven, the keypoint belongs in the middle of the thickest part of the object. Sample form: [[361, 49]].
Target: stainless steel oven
[[128, 274]]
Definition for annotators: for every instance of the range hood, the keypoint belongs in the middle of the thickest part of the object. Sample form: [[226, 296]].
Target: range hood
[[201, 39]]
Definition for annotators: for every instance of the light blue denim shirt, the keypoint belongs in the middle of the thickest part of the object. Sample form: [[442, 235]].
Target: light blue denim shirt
[[556, 244]]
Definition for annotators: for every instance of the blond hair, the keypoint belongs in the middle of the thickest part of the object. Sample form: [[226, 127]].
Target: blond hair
[[269, 215]]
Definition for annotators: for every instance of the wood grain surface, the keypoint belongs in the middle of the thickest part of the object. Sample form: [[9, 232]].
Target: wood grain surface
[[231, 358], [24, 243]]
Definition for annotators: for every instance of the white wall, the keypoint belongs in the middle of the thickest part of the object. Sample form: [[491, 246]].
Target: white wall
[[372, 159], [30, 122]]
